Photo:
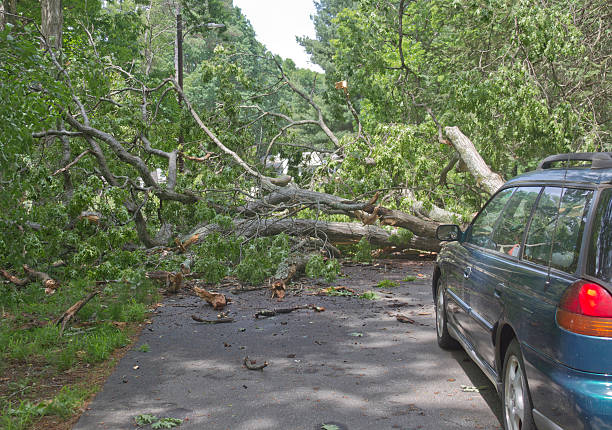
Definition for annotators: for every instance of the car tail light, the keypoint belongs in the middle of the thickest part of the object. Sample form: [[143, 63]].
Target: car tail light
[[586, 308]]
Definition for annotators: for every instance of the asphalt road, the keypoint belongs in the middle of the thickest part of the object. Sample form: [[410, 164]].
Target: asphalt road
[[354, 365]]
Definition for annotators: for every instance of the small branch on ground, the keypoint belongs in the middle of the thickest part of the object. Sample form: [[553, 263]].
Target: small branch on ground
[[65, 318], [270, 313], [217, 321], [250, 364], [14, 279]]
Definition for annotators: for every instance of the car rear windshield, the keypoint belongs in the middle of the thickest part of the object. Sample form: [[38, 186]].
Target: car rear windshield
[[599, 262]]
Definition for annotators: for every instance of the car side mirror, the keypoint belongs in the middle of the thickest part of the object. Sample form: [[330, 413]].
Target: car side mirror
[[448, 232]]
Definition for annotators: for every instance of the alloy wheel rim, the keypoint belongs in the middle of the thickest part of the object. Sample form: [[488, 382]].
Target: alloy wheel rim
[[514, 396], [440, 312]]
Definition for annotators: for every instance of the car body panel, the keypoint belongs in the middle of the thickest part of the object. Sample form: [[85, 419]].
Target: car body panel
[[489, 293]]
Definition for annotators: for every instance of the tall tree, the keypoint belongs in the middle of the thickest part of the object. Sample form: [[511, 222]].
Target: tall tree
[[52, 22]]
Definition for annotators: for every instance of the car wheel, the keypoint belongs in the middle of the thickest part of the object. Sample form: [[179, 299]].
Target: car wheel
[[516, 401], [444, 338]]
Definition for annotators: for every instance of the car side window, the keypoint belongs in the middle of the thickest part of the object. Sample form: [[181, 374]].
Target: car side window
[[599, 263], [573, 212], [540, 236], [508, 234], [560, 226], [482, 227]]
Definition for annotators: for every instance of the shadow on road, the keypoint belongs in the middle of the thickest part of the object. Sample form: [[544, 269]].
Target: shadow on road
[[486, 389]]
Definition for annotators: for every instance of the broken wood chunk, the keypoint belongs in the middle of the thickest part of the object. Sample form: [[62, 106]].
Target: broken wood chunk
[[65, 318], [404, 319], [14, 279], [49, 283], [278, 289], [217, 300], [251, 364]]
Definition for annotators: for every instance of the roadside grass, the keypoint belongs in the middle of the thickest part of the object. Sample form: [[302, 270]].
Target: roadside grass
[[387, 283], [409, 278], [46, 375]]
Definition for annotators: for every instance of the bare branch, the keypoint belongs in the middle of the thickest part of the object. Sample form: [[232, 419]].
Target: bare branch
[[72, 163]]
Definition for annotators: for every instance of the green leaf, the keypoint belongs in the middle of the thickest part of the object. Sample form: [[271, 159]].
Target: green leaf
[[167, 423], [145, 419]]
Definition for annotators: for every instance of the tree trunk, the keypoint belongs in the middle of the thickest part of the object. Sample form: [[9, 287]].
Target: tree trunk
[[7, 7], [486, 178], [52, 22], [334, 232]]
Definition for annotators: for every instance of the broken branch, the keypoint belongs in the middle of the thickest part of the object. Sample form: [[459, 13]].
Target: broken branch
[[65, 318]]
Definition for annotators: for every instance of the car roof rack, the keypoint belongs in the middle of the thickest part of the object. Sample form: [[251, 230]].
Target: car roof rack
[[599, 160]]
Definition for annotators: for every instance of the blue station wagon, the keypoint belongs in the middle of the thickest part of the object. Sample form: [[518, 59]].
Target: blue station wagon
[[526, 291]]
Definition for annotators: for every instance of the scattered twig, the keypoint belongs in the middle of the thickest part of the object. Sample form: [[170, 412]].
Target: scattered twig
[[65, 318], [250, 364], [273, 312], [217, 321]]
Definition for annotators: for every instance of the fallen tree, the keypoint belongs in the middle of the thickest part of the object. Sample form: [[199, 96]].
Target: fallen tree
[[266, 203]]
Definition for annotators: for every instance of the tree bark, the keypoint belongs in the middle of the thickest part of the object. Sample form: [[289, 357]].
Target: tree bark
[[485, 177], [334, 232], [7, 7], [52, 22]]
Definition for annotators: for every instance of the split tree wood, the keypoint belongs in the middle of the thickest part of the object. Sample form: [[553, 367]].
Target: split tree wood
[[14, 279], [49, 283], [217, 300], [65, 318], [250, 364]]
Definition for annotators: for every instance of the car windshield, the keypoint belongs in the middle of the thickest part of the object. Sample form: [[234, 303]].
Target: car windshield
[[600, 252]]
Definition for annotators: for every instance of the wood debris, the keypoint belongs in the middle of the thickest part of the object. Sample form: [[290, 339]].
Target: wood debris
[[278, 290], [49, 283], [65, 318], [217, 300], [404, 319], [173, 280], [217, 321], [14, 279], [182, 246], [273, 312], [251, 364]]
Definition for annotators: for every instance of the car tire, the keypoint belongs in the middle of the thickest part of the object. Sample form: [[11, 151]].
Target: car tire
[[445, 341], [516, 401]]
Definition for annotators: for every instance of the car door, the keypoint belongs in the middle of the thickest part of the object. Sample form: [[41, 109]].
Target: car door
[[476, 237], [493, 269]]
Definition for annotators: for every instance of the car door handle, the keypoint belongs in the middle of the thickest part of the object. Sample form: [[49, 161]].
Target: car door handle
[[467, 272], [497, 292]]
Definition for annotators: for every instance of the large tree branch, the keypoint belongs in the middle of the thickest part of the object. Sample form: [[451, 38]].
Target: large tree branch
[[485, 177], [334, 232], [267, 182], [312, 103]]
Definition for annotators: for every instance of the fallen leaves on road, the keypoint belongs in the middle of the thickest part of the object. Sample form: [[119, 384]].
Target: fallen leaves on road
[[336, 291]]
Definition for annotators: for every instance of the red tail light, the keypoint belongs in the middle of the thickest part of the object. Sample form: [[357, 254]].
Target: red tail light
[[586, 308]]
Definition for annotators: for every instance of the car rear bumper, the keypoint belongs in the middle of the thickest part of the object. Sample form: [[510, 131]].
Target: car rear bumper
[[564, 398]]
